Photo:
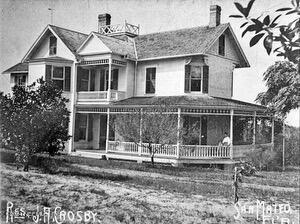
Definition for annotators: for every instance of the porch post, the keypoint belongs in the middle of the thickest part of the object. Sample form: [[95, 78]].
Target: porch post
[[254, 129], [107, 131], [141, 123], [109, 80], [178, 132], [73, 109], [231, 134], [273, 131]]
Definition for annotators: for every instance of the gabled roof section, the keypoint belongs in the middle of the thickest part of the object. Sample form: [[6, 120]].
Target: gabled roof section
[[72, 39], [183, 42], [117, 46], [18, 68]]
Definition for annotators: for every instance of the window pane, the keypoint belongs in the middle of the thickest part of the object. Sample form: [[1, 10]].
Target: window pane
[[195, 71], [195, 85], [58, 72], [114, 79], [59, 83], [222, 45], [52, 45]]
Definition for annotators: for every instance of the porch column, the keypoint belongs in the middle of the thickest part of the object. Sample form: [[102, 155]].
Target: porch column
[[73, 100], [254, 128], [273, 131], [178, 132], [109, 80], [141, 123], [107, 131], [231, 134]]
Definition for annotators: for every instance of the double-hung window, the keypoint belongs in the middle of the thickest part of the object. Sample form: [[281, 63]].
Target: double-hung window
[[196, 78], [150, 80], [60, 75]]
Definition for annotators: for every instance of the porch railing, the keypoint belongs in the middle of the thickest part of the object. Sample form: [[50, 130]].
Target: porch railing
[[186, 151], [99, 96], [204, 151]]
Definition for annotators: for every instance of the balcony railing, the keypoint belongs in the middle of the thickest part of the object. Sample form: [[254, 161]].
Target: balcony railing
[[99, 96], [119, 28]]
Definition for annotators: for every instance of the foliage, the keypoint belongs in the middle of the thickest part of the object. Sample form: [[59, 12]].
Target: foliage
[[282, 95], [34, 119], [262, 158], [286, 36]]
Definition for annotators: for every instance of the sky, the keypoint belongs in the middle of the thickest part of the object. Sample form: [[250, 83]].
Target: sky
[[23, 20]]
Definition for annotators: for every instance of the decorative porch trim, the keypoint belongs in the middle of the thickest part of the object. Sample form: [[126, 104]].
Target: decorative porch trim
[[117, 62], [92, 109], [95, 62], [204, 111]]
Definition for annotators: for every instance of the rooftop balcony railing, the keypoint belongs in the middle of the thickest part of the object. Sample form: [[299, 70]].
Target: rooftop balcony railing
[[119, 28]]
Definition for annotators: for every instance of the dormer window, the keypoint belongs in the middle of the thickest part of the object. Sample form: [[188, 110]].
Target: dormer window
[[52, 45], [196, 78], [222, 45]]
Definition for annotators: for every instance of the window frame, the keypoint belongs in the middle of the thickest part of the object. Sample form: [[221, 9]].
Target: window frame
[[189, 79], [151, 79], [83, 127], [19, 77], [63, 79]]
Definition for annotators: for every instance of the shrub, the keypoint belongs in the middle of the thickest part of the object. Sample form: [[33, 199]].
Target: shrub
[[262, 158]]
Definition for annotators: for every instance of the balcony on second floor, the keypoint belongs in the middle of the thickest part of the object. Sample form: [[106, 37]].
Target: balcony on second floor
[[95, 84]]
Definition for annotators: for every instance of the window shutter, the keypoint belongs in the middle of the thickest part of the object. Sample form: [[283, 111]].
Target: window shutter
[[187, 78], [92, 80], [48, 73], [77, 123], [90, 127], [67, 79], [205, 78]]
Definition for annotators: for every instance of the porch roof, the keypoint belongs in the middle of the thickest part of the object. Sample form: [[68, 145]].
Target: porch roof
[[20, 67], [190, 101]]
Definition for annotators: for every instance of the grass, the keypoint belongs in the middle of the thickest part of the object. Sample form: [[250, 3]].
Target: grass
[[63, 181]]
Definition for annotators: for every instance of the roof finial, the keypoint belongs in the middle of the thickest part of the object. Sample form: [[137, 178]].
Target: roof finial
[[51, 9]]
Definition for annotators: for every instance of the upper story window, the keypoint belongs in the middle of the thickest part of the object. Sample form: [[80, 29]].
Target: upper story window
[[222, 45], [52, 45], [150, 80], [20, 80], [196, 78], [60, 75]]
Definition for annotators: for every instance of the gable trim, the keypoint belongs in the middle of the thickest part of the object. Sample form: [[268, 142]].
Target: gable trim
[[87, 39], [48, 27]]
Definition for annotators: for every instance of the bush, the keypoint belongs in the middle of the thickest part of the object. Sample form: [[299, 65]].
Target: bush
[[34, 119], [262, 158]]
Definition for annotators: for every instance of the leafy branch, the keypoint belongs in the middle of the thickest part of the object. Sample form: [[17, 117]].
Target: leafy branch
[[286, 35]]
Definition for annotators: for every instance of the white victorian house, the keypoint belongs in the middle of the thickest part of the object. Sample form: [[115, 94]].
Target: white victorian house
[[116, 69]]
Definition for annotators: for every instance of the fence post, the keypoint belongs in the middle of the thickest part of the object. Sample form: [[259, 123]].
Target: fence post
[[178, 132]]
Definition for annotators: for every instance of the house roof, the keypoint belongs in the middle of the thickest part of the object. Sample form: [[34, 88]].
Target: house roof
[[190, 101], [118, 46], [72, 39], [194, 40], [20, 67]]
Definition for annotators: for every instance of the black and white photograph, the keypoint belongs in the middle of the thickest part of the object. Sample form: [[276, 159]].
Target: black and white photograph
[[150, 111]]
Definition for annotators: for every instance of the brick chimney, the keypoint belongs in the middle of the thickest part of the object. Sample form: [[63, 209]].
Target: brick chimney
[[215, 16], [103, 20]]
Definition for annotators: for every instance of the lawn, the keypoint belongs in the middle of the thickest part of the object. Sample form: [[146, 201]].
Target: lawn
[[126, 192]]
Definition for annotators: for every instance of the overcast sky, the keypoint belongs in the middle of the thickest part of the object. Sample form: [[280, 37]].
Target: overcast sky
[[23, 20]]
